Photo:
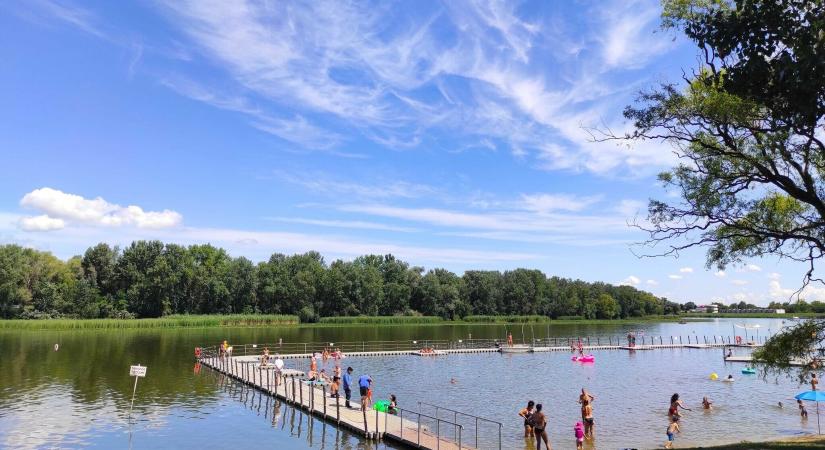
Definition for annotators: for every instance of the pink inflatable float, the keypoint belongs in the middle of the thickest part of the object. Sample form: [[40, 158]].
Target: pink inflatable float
[[584, 358]]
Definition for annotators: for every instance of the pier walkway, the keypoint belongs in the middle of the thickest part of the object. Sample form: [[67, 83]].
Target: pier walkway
[[410, 428], [413, 428]]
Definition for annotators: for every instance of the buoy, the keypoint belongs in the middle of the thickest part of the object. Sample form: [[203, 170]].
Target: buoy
[[714, 376], [56, 347]]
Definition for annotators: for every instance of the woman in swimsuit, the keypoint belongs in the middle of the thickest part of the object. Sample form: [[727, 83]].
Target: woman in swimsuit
[[525, 414], [539, 422], [675, 404]]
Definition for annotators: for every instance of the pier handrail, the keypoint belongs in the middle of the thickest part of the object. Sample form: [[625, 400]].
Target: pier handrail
[[419, 415], [457, 413]]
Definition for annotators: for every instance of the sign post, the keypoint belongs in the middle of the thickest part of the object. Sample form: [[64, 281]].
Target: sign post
[[137, 371]]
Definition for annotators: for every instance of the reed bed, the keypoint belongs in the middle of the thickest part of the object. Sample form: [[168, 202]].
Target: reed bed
[[175, 321], [380, 320], [507, 319]]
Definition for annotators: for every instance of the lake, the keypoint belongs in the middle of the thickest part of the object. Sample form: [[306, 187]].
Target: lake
[[79, 396]]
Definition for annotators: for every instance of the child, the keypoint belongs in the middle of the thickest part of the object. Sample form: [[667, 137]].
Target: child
[[707, 404], [672, 429], [802, 411], [334, 387], [814, 382], [579, 431], [393, 408]]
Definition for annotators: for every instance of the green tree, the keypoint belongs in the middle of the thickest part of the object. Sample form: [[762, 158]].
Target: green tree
[[747, 127], [606, 307]]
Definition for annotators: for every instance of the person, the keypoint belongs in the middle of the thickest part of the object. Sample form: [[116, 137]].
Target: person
[[814, 382], [581, 348], [313, 365], [509, 339], [675, 404], [348, 386], [525, 413], [780, 405], [336, 372], [333, 388], [672, 429], [325, 356], [729, 378], [707, 404], [364, 385], [587, 412], [322, 376], [393, 408], [585, 397], [539, 423], [802, 411], [730, 353], [579, 432], [265, 357]]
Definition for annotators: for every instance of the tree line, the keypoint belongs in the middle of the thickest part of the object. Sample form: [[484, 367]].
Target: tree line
[[153, 279]]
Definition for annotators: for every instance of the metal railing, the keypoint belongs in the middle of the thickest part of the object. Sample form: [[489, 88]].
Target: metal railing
[[476, 419], [292, 348], [416, 438]]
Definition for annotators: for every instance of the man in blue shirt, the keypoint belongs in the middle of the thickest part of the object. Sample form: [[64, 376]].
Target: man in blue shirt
[[348, 385], [364, 383]]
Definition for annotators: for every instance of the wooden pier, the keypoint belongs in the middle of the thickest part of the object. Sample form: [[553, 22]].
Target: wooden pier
[[410, 428]]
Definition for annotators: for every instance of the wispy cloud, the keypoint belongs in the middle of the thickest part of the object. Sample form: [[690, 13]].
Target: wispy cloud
[[353, 224], [402, 86], [323, 183]]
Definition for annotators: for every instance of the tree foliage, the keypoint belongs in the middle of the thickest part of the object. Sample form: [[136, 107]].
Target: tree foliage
[[153, 279], [747, 127]]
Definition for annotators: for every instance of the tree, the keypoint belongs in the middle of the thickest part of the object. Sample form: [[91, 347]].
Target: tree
[[747, 127], [606, 307]]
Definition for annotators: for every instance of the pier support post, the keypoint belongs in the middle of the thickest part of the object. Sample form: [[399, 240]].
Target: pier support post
[[324, 396]]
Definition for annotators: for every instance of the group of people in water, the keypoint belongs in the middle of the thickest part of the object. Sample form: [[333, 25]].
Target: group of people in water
[[535, 422]]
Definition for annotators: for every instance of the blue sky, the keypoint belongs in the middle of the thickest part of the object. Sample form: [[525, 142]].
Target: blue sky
[[451, 134]]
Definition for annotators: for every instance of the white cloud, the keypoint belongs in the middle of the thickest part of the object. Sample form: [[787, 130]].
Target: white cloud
[[720, 273], [686, 270], [652, 283], [545, 203], [774, 276], [739, 282], [355, 224], [675, 277], [40, 223], [61, 206], [629, 40], [630, 281], [753, 268], [322, 183]]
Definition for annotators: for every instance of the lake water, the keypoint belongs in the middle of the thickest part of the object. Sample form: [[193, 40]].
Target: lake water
[[79, 396]]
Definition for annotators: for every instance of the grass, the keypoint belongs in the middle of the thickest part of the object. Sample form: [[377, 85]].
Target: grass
[[176, 321], [811, 441], [380, 320]]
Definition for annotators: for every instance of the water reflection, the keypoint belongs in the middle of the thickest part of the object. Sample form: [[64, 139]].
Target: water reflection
[[79, 395]]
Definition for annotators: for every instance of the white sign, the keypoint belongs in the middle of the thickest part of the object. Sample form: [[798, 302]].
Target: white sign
[[137, 371]]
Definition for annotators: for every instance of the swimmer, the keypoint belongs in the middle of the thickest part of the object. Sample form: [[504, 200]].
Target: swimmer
[[672, 429], [729, 378], [802, 411], [675, 404], [707, 404], [453, 381], [780, 405], [539, 422], [526, 414], [587, 412]]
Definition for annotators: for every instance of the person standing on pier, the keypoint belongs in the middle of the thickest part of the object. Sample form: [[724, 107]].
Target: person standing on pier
[[348, 386], [814, 382], [509, 339], [364, 385]]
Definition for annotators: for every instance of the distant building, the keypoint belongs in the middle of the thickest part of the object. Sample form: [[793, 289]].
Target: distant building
[[710, 309]]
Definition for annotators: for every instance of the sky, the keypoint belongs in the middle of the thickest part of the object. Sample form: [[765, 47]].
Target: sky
[[451, 134]]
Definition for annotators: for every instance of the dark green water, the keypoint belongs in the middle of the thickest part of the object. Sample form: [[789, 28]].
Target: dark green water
[[79, 396]]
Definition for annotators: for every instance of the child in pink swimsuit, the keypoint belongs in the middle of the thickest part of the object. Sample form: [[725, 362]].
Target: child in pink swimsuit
[[579, 430]]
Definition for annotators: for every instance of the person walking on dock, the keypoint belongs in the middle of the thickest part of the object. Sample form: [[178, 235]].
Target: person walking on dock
[[348, 386], [364, 385], [814, 382]]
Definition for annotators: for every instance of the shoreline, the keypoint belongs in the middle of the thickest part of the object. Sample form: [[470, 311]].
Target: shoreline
[[264, 320], [812, 441]]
